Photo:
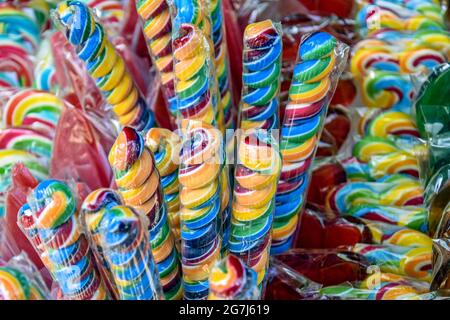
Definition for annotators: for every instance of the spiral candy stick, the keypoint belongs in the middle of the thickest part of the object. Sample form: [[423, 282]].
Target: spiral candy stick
[[105, 65], [157, 27], [261, 76], [93, 209], [256, 174], [309, 96], [231, 279], [165, 145], [222, 63], [123, 237], [72, 262], [139, 184]]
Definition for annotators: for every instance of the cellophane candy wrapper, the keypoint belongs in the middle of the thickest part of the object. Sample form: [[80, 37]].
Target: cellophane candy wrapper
[[432, 112], [287, 284], [138, 181], [51, 222], [120, 240], [20, 280], [321, 59], [231, 279]]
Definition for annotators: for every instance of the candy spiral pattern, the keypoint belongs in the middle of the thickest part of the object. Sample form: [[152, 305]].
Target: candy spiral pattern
[[231, 279], [124, 239], [384, 233], [105, 65], [195, 95], [166, 146], [16, 66], [15, 285], [309, 97], [379, 123], [28, 140], [412, 217], [253, 208], [201, 198], [193, 12], [387, 90], [139, 184], [157, 26], [401, 193], [32, 108], [388, 287], [261, 76], [111, 13], [413, 262], [222, 64], [45, 70], [93, 209], [66, 248], [370, 146]]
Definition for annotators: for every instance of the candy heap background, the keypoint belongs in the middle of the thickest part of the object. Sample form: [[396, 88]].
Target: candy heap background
[[113, 179]]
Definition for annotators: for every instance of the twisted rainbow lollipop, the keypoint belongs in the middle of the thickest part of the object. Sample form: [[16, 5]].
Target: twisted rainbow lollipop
[[139, 184], [309, 96], [105, 65]]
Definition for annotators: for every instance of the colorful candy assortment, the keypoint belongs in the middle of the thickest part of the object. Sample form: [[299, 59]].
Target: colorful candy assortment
[[188, 214], [138, 181]]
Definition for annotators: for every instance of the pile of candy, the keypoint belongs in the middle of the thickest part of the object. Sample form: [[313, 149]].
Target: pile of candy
[[211, 149]]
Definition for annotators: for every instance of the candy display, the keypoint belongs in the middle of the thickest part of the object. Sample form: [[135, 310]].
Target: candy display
[[224, 150], [320, 56], [230, 279], [138, 180]]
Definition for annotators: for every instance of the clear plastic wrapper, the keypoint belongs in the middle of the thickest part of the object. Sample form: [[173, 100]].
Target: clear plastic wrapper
[[20, 280], [139, 184], [379, 286], [321, 61], [403, 192], [104, 64], [231, 279], [50, 221], [411, 261], [122, 239], [45, 77], [411, 16]]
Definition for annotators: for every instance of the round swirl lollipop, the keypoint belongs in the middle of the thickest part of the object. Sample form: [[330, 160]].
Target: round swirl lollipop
[[72, 262], [104, 65], [139, 184], [379, 123], [409, 261], [261, 77], [15, 285], [231, 279], [123, 237], [401, 193], [34, 108], [309, 96]]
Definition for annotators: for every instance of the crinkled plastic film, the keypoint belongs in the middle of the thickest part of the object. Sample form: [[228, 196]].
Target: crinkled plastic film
[[320, 63], [139, 184], [50, 220], [120, 238]]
